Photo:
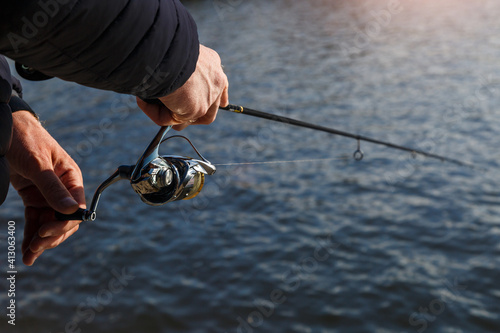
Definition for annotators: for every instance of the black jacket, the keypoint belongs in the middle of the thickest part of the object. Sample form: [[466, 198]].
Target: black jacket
[[5, 126], [147, 48]]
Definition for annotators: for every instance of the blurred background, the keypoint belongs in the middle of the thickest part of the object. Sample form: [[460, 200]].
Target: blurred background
[[388, 244]]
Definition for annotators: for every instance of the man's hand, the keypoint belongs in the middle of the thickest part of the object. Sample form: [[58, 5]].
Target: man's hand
[[198, 100], [48, 180]]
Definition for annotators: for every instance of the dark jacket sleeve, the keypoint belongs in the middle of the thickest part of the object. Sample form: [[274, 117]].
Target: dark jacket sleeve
[[5, 126], [147, 48]]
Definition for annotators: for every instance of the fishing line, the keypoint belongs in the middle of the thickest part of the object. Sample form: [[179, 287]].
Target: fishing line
[[279, 162], [358, 154]]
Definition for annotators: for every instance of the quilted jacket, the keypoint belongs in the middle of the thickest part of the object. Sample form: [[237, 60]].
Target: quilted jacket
[[147, 48]]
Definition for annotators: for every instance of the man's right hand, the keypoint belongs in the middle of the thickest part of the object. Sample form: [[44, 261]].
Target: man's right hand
[[198, 100]]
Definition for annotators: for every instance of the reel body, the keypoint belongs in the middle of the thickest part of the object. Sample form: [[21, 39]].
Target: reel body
[[171, 178], [156, 179]]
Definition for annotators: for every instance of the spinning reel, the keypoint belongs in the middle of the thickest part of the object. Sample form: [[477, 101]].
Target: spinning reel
[[157, 179]]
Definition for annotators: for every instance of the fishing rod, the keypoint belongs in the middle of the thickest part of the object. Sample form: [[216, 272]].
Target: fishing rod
[[358, 154], [159, 179]]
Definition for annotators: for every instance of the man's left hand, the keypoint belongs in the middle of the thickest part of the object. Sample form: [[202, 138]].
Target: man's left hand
[[48, 180]]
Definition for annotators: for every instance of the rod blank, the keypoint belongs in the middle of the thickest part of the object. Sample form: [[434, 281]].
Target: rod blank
[[286, 120]]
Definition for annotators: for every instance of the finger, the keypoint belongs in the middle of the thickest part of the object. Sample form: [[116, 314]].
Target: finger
[[78, 193], [210, 116], [224, 96], [224, 101], [211, 113], [31, 227], [56, 228], [34, 219], [180, 127], [41, 244], [160, 114], [30, 257], [151, 110], [71, 177], [54, 191]]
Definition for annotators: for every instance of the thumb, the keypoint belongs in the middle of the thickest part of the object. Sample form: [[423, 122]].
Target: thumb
[[54, 191]]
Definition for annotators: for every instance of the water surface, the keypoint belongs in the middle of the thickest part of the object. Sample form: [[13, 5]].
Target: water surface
[[389, 244]]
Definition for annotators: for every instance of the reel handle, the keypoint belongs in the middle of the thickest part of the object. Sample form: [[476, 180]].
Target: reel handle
[[123, 172], [80, 215]]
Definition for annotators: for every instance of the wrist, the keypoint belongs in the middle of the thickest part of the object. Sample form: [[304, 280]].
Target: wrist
[[24, 126]]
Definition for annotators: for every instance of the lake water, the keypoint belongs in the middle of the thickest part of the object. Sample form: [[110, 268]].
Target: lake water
[[388, 244]]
